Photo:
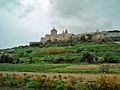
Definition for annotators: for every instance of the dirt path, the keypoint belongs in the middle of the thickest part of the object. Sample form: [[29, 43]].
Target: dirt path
[[88, 77], [87, 66], [83, 66]]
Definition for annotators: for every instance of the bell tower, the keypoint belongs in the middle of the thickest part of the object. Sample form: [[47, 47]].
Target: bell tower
[[53, 31], [66, 31]]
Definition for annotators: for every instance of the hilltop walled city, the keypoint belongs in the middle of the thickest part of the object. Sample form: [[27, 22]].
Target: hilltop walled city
[[65, 35]]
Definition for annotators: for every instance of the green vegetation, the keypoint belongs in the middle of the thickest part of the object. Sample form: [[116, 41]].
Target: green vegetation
[[37, 59], [61, 57], [37, 82], [30, 67], [13, 88], [90, 52], [60, 68], [105, 68]]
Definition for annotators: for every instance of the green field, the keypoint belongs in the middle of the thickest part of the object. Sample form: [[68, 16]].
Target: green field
[[58, 68], [30, 67]]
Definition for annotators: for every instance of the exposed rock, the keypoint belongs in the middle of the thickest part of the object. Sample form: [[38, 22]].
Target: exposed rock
[[57, 60]]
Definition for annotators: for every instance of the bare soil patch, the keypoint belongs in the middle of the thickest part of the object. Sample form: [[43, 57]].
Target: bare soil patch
[[83, 66], [87, 66]]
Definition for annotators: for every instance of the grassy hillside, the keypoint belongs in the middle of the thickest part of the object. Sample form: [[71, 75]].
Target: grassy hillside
[[110, 52]]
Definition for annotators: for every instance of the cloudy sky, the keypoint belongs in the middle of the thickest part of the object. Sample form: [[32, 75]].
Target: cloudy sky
[[22, 21]]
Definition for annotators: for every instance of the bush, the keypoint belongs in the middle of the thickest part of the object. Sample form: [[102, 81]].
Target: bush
[[38, 82], [79, 50], [101, 60], [6, 58], [59, 85], [105, 82], [51, 50], [104, 68], [110, 59], [28, 51], [91, 86], [87, 57], [1, 79], [10, 51]]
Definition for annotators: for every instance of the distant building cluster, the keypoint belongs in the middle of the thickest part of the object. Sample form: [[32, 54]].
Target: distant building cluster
[[65, 35]]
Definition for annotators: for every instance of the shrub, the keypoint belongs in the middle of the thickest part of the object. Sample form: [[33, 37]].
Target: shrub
[[38, 82], [6, 58], [104, 68], [79, 50], [22, 54], [27, 60], [105, 82], [69, 85], [10, 80], [59, 85], [87, 57], [28, 51], [16, 60], [110, 59], [90, 86], [30, 84], [101, 60], [10, 51], [51, 50], [1, 79], [72, 59]]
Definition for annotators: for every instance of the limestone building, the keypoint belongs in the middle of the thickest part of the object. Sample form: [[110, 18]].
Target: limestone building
[[54, 36], [113, 33], [65, 36], [98, 36]]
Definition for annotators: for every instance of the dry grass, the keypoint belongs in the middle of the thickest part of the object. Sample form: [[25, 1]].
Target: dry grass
[[83, 66], [87, 77], [87, 66]]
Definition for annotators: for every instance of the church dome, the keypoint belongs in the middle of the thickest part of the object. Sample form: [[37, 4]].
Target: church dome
[[53, 31]]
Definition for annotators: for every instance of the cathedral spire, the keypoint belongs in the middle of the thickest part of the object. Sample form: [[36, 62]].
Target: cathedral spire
[[66, 31], [63, 32]]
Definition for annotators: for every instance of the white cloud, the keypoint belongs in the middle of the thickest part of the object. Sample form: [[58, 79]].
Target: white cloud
[[22, 21], [19, 31], [85, 15]]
